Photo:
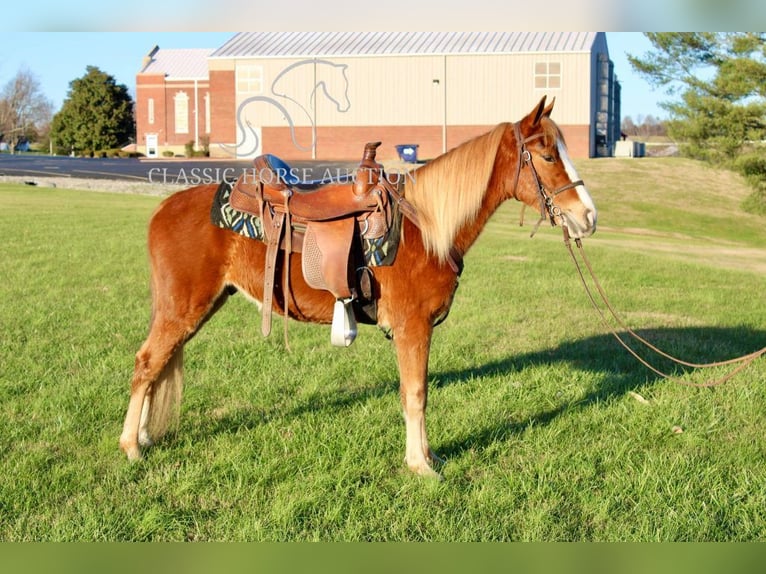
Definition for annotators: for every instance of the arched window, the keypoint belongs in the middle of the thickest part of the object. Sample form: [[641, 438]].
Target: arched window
[[207, 113]]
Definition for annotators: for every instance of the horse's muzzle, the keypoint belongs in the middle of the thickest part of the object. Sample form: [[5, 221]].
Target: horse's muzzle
[[580, 225]]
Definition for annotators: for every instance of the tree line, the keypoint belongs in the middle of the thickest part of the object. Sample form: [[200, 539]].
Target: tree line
[[644, 126], [97, 115]]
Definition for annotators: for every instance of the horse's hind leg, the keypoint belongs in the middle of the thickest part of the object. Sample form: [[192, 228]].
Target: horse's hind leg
[[153, 360], [155, 391]]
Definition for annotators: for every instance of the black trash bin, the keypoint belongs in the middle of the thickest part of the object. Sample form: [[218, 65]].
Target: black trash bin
[[408, 152]]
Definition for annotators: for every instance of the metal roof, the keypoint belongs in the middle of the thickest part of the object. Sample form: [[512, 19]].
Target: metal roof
[[308, 44], [177, 63]]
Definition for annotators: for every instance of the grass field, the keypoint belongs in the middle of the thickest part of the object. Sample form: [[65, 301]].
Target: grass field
[[549, 429]]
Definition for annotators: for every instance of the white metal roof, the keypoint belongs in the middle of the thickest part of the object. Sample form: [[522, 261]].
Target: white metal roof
[[306, 44], [178, 63]]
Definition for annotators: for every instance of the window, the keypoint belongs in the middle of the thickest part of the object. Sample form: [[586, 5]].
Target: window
[[249, 79], [181, 101], [547, 75], [151, 110]]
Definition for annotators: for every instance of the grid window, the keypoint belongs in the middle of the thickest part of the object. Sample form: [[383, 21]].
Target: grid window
[[250, 79], [547, 75]]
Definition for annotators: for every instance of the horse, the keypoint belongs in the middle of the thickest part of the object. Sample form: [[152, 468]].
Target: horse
[[196, 266]]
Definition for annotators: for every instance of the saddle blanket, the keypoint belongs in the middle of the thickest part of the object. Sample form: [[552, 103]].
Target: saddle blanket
[[377, 252]]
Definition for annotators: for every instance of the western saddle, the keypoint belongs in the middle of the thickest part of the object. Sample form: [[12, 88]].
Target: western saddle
[[320, 219]]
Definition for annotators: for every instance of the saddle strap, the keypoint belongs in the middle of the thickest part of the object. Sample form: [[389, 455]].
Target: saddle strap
[[272, 250], [288, 254]]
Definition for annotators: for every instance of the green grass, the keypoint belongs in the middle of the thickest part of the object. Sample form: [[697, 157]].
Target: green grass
[[530, 400]]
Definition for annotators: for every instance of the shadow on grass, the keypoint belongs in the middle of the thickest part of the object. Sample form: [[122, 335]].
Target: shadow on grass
[[618, 373]]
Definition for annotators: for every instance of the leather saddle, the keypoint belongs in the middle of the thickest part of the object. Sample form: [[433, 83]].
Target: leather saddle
[[323, 220]]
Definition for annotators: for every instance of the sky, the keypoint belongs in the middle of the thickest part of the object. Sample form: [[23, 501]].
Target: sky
[[57, 58]]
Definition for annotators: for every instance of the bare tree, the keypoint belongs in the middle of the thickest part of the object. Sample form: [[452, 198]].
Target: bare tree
[[25, 112], [646, 126], [628, 127]]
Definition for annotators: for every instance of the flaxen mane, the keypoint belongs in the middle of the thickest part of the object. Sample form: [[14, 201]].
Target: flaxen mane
[[448, 191]]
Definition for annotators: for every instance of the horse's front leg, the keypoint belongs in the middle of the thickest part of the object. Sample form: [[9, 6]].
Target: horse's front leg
[[413, 343]]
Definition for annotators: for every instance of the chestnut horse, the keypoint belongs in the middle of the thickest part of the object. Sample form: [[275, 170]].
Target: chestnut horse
[[195, 266]]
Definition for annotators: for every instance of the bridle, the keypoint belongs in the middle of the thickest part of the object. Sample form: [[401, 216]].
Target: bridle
[[548, 209]]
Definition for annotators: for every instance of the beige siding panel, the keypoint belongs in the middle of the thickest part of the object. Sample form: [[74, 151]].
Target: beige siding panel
[[575, 90], [388, 91], [485, 90], [488, 89]]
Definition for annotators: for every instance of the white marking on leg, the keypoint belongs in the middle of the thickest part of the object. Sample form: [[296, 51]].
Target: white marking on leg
[[417, 449], [144, 439]]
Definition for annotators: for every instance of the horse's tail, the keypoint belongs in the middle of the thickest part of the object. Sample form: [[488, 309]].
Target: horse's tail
[[165, 404]]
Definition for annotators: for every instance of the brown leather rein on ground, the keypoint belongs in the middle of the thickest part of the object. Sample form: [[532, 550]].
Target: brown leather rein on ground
[[742, 362]]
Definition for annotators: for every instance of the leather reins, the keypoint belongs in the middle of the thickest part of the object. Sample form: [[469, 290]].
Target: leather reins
[[548, 210], [742, 362]]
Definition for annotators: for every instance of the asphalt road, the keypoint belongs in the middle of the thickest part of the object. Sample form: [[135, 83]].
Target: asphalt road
[[175, 171]]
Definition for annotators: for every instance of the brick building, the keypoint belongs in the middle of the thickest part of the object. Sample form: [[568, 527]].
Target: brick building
[[305, 95], [173, 101]]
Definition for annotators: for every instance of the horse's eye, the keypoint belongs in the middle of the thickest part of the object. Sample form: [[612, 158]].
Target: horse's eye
[[549, 158]]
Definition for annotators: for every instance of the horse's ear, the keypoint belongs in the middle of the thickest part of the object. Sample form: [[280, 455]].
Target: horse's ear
[[533, 118], [539, 111], [547, 111]]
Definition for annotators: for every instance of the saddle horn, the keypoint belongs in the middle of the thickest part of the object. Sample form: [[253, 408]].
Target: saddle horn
[[369, 170], [370, 151]]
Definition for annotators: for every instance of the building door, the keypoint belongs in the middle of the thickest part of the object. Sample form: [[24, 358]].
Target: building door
[[151, 145]]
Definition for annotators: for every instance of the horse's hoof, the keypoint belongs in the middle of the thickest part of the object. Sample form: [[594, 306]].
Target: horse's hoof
[[431, 474], [134, 455], [425, 470], [133, 452]]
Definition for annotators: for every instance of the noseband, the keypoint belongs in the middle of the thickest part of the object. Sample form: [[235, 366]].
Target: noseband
[[547, 208]]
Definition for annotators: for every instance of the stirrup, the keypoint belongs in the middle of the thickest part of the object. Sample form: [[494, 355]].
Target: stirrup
[[343, 323]]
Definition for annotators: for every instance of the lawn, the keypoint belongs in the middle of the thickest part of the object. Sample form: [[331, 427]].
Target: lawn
[[550, 430]]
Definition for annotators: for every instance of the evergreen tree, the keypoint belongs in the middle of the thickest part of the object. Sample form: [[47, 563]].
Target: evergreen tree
[[721, 80], [96, 115]]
